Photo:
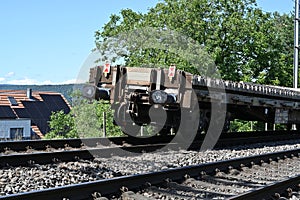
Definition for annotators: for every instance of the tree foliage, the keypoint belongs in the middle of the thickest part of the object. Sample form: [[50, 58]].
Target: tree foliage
[[245, 43], [280, 72], [62, 126], [85, 120], [89, 119]]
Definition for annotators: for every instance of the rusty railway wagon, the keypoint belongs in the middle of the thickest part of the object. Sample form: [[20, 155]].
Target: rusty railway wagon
[[140, 96]]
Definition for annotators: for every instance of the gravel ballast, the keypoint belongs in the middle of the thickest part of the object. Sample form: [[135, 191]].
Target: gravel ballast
[[37, 177]]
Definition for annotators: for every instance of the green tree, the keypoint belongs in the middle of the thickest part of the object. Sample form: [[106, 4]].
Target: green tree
[[104, 107], [280, 70], [62, 126], [88, 118], [85, 120], [244, 42]]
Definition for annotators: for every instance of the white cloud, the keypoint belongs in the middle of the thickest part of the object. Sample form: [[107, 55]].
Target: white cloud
[[10, 74], [25, 81], [28, 81], [2, 79], [72, 81]]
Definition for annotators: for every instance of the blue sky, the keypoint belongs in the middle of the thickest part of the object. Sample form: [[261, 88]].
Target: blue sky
[[47, 42]]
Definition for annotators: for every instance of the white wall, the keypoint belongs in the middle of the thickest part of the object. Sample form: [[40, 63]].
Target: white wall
[[7, 124]]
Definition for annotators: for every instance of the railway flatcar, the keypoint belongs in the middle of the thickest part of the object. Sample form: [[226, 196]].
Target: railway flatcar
[[165, 98]]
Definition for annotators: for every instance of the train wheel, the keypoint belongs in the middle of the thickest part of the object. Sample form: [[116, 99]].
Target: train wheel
[[131, 130], [124, 120]]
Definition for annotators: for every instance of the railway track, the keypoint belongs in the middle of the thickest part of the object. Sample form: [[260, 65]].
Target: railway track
[[227, 139], [24, 153], [64, 144], [256, 177], [27, 159], [87, 163]]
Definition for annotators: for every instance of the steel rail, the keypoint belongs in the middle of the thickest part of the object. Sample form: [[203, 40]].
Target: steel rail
[[64, 155], [77, 143], [268, 192], [93, 142], [112, 186], [74, 155]]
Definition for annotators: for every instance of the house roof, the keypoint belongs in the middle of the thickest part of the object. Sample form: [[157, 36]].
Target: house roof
[[38, 106], [6, 112]]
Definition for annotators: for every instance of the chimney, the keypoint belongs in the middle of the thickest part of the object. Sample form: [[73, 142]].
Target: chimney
[[29, 93]]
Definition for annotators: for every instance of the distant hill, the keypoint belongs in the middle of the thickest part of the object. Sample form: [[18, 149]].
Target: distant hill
[[66, 90]]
